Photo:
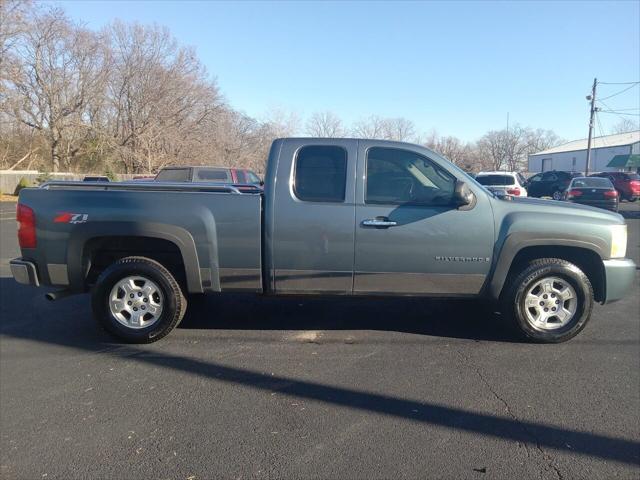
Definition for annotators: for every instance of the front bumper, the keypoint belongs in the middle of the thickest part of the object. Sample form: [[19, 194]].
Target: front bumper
[[24, 272], [620, 275]]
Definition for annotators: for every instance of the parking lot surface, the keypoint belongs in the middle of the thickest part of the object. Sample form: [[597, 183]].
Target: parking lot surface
[[315, 388]]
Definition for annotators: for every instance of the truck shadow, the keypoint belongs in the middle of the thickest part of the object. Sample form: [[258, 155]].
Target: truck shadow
[[447, 318], [67, 325]]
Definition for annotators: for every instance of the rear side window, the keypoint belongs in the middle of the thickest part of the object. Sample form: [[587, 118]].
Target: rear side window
[[173, 175], [321, 173], [212, 175], [495, 180], [591, 182]]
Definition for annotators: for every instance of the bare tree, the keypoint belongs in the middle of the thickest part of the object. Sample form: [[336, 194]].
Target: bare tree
[[59, 67], [159, 96], [325, 124], [399, 129], [452, 148], [625, 125], [371, 127], [13, 24]]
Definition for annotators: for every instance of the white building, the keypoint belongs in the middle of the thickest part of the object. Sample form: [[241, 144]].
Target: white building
[[572, 156]]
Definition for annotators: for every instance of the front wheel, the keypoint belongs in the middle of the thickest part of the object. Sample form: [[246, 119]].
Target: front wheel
[[137, 300], [550, 301]]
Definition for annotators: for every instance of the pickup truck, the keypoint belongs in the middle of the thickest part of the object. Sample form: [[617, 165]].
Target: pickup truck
[[336, 217]]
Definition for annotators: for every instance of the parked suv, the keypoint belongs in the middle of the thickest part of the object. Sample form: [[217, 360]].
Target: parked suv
[[550, 184], [626, 183], [512, 183]]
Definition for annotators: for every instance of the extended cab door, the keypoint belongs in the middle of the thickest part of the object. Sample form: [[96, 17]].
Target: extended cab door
[[309, 216], [410, 238]]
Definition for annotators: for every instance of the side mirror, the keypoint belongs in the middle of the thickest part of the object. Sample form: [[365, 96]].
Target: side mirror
[[462, 194]]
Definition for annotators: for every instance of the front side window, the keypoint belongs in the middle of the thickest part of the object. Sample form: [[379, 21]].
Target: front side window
[[321, 173], [396, 176]]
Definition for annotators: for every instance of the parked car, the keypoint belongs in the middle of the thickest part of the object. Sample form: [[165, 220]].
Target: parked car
[[95, 178], [237, 176], [549, 184], [337, 216], [512, 183], [593, 191], [626, 183]]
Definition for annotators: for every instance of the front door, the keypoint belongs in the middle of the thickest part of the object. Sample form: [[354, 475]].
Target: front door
[[409, 238]]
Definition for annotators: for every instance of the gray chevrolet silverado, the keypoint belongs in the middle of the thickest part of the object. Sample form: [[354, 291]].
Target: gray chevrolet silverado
[[337, 217]]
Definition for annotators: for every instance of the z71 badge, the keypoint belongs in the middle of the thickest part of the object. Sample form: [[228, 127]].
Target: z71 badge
[[71, 218]]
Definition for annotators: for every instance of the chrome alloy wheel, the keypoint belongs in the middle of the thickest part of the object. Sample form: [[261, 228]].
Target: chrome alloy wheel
[[136, 302], [550, 303]]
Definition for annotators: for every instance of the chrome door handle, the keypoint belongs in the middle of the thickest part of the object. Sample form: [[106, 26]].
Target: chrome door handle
[[376, 222]]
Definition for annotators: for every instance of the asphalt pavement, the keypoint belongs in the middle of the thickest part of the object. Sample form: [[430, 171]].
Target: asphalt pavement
[[315, 388]]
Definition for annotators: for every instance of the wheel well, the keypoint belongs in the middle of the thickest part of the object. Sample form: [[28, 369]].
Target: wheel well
[[586, 260], [100, 252]]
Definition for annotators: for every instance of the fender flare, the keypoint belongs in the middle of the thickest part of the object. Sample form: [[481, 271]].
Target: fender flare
[[516, 242], [176, 235]]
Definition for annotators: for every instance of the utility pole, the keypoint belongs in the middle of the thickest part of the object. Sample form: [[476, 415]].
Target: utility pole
[[591, 97]]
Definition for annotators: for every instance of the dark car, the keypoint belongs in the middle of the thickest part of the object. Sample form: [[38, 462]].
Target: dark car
[[239, 176], [593, 191], [550, 184], [627, 184]]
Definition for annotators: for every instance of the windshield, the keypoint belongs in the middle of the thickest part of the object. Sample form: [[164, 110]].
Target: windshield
[[591, 182], [495, 179]]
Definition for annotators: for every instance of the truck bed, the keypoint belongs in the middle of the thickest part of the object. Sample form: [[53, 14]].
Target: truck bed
[[216, 228]]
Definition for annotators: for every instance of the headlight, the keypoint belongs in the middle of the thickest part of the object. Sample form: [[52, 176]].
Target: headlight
[[618, 241]]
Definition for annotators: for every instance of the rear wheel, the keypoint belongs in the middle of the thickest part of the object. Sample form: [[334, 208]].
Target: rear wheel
[[550, 301], [137, 300], [557, 195]]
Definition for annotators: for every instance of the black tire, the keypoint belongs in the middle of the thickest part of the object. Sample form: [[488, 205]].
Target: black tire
[[556, 193], [513, 300], [174, 303]]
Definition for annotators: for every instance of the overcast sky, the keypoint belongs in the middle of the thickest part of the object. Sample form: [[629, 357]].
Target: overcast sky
[[457, 67]]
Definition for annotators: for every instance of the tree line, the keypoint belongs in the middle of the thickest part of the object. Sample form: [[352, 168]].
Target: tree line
[[131, 99]]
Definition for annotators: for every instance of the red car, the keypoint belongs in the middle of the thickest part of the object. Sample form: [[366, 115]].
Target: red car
[[626, 183]]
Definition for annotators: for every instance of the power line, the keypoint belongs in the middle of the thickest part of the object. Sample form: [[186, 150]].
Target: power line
[[617, 83], [620, 113], [601, 129], [621, 91]]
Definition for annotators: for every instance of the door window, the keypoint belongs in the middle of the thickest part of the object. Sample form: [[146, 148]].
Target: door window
[[321, 173], [396, 176]]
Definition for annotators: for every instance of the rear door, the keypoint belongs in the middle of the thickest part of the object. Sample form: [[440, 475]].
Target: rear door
[[312, 233], [410, 239]]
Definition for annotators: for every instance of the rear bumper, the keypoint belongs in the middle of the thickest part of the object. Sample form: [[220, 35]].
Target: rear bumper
[[24, 272], [619, 277], [604, 204]]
